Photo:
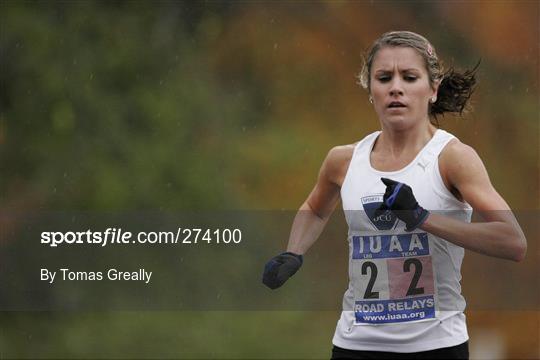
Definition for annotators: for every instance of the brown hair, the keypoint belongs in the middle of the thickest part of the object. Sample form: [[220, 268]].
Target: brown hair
[[455, 88]]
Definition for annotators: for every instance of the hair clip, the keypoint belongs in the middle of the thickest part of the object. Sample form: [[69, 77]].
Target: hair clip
[[429, 50]]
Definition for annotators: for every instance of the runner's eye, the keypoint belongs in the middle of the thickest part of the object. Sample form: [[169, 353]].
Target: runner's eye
[[410, 78], [384, 78]]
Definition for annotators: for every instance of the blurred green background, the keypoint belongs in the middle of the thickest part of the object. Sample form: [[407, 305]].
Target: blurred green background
[[115, 106]]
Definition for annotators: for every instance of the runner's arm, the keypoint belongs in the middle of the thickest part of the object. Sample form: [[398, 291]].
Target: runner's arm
[[500, 235], [314, 213]]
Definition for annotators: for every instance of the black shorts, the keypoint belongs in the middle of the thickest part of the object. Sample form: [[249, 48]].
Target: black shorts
[[453, 352]]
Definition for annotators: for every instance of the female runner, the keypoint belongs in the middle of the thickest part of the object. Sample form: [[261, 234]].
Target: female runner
[[408, 192]]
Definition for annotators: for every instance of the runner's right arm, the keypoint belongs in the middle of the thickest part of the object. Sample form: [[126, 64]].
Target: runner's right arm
[[311, 217], [321, 202]]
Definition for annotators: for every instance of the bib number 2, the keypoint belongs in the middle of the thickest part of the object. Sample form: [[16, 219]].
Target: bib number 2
[[392, 286], [413, 290], [370, 294]]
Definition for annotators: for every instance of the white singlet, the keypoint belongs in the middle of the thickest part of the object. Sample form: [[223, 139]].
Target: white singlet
[[404, 291]]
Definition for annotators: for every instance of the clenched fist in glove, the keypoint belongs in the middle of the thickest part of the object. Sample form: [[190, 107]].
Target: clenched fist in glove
[[400, 199], [280, 268]]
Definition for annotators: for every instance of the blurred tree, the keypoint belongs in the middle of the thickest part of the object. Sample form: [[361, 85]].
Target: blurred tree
[[127, 105]]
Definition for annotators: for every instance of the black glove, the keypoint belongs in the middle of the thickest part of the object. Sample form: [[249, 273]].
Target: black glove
[[400, 199], [280, 268]]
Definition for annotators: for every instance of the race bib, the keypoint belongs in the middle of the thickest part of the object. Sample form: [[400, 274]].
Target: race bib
[[392, 278]]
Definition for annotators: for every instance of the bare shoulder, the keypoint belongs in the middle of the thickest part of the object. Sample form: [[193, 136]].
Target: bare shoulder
[[341, 152], [462, 170], [337, 162], [458, 159]]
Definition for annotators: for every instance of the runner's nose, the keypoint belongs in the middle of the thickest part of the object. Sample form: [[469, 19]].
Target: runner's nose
[[396, 87]]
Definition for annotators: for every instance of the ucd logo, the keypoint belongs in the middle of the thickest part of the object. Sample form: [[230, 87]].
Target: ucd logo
[[386, 221]]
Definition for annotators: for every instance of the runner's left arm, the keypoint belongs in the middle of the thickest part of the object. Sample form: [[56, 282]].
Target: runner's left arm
[[500, 235]]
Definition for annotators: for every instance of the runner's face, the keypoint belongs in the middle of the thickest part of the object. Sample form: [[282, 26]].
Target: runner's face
[[400, 87]]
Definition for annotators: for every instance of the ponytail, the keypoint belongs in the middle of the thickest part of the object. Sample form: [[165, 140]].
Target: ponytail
[[454, 92]]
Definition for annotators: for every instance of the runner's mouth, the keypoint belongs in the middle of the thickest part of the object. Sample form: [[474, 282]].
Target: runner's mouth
[[396, 104]]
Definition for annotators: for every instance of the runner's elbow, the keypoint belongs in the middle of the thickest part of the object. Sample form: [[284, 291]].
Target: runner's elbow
[[306, 206], [521, 251]]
